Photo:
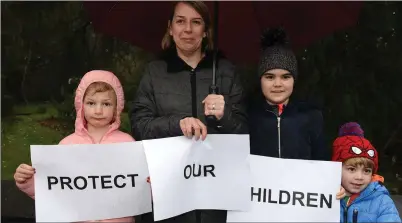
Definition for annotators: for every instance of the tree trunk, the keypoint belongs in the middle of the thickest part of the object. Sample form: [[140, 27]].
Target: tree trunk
[[28, 61]]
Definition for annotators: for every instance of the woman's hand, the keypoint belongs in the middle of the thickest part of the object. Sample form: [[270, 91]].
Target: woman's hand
[[193, 127], [149, 181], [214, 105], [23, 173]]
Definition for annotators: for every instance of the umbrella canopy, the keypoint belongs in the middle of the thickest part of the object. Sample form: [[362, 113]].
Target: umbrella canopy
[[239, 25]]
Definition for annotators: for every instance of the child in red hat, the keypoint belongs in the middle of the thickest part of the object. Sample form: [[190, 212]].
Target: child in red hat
[[367, 199]]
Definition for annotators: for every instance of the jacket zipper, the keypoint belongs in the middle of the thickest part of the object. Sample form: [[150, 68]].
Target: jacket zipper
[[355, 212], [278, 118], [345, 214], [193, 82], [279, 135]]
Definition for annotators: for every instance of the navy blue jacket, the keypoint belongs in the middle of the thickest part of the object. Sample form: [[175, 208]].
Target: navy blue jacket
[[295, 134]]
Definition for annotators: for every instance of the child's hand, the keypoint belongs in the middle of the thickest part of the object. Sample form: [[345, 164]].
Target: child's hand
[[23, 173], [149, 181], [341, 194]]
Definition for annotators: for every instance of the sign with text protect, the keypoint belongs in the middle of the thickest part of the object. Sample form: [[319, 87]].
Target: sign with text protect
[[188, 174], [90, 182], [288, 190]]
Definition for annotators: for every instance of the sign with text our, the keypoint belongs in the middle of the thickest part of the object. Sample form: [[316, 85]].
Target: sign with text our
[[187, 175]]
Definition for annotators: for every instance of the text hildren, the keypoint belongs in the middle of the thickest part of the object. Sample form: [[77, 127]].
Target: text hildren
[[291, 198]]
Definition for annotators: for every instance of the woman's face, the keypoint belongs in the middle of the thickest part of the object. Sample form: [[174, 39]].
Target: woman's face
[[277, 86], [187, 28]]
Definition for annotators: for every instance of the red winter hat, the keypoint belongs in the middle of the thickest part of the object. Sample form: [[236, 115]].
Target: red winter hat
[[351, 144]]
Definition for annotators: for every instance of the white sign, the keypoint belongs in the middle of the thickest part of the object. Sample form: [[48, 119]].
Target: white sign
[[286, 190], [90, 182], [188, 174]]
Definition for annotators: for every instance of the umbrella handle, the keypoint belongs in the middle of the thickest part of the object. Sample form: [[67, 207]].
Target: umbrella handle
[[211, 119], [213, 89]]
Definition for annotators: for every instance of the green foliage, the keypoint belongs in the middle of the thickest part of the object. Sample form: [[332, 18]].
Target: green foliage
[[55, 43], [128, 64], [65, 109], [125, 125], [37, 43], [36, 125], [29, 109], [354, 74], [7, 100]]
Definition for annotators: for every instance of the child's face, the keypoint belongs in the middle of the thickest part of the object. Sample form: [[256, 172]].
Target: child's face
[[355, 178], [277, 86], [99, 108]]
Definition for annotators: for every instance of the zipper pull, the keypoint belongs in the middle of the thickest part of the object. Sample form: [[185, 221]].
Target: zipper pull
[[279, 135], [345, 215], [355, 213]]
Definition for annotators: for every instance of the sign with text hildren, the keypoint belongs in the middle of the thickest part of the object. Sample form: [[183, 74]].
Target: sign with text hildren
[[90, 182], [288, 190], [188, 174]]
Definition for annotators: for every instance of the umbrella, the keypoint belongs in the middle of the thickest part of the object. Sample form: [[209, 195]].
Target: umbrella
[[240, 23]]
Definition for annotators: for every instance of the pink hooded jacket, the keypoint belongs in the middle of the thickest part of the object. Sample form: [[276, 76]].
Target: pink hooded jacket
[[81, 136]]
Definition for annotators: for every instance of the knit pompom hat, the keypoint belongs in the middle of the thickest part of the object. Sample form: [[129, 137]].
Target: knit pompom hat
[[276, 52], [351, 144]]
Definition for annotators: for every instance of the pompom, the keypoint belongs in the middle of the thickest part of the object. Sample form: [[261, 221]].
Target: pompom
[[273, 37], [351, 129]]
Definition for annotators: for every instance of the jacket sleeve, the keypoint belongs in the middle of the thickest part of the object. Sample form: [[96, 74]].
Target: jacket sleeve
[[144, 118], [319, 150], [234, 120], [387, 211]]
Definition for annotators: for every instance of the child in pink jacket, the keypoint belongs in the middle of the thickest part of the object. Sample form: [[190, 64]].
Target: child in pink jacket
[[99, 101]]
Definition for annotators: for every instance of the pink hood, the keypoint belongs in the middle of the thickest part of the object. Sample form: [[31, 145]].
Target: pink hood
[[88, 79]]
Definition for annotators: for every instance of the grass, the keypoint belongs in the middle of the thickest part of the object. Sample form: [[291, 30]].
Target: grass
[[25, 129]]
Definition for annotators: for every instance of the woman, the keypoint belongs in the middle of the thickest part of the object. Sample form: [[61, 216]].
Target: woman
[[279, 126], [173, 96]]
